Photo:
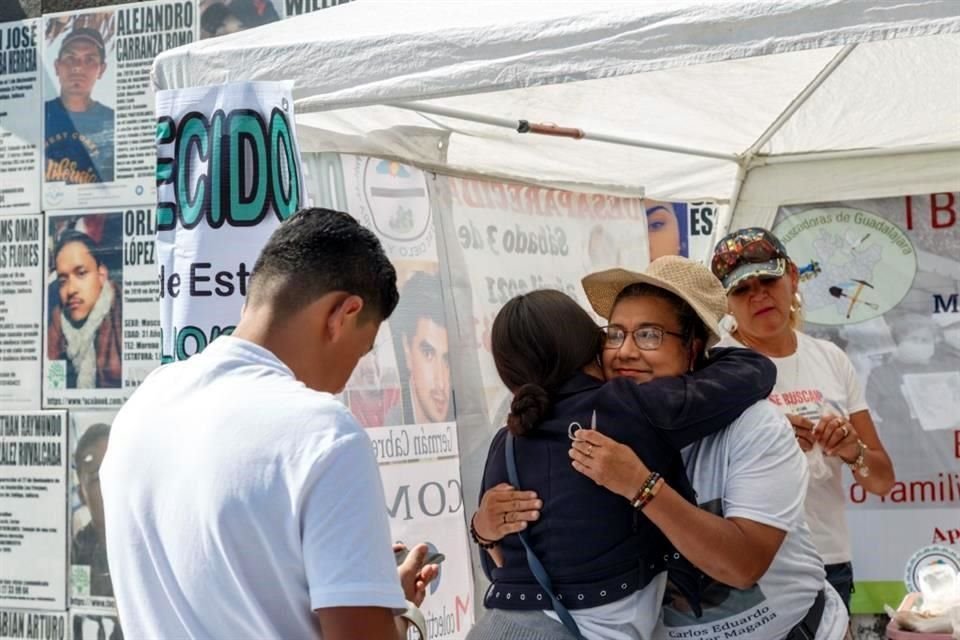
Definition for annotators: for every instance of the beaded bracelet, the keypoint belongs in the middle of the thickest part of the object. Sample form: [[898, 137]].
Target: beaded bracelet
[[483, 543], [646, 492]]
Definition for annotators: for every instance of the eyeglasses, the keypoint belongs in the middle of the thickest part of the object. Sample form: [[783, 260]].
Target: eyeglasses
[[747, 248], [647, 338]]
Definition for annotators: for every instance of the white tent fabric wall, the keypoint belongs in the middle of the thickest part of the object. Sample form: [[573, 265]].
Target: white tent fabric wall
[[773, 102], [739, 79]]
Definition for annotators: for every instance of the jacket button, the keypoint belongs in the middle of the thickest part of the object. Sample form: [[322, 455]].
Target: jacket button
[[603, 594]]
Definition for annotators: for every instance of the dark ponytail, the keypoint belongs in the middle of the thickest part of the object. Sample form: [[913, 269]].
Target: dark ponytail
[[539, 340], [530, 404]]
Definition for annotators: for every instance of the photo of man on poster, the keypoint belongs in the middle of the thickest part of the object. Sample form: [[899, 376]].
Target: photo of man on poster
[[222, 17], [84, 325], [420, 338], [88, 548], [79, 129]]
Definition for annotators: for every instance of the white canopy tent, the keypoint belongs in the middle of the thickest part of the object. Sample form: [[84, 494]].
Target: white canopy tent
[[752, 103]]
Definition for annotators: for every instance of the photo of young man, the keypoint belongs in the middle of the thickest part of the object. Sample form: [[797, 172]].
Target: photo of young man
[[420, 338], [88, 548], [79, 129], [84, 328]]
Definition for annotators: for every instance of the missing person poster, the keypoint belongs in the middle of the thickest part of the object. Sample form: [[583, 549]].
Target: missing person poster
[[90, 584], [94, 625], [21, 304], [102, 325], [18, 624], [300, 7], [20, 136], [881, 279], [98, 108], [214, 213], [33, 517]]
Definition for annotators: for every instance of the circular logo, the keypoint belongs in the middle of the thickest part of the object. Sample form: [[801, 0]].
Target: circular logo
[[928, 556], [854, 265], [396, 195]]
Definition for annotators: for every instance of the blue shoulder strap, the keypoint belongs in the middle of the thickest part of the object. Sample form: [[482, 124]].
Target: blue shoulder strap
[[536, 567]]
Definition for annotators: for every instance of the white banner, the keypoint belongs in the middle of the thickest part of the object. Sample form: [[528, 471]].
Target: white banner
[[102, 330], [211, 220], [881, 278], [20, 136], [33, 625], [21, 308], [33, 518], [98, 109]]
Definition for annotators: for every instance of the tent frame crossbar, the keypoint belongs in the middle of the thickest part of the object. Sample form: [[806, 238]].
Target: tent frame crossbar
[[524, 126]]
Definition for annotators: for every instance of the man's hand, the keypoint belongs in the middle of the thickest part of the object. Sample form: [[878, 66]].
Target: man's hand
[[415, 576], [803, 430]]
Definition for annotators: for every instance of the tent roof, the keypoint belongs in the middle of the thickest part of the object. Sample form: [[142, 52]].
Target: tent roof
[[737, 84]]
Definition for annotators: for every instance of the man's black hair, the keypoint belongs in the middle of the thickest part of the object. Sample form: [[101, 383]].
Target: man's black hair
[[72, 235], [421, 298], [90, 437], [214, 16], [318, 251]]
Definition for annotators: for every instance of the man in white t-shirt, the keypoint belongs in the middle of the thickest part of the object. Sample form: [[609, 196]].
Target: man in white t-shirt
[[242, 500]]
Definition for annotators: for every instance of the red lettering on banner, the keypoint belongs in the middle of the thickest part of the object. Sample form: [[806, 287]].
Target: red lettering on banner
[[908, 209], [858, 495], [936, 209], [956, 444], [950, 536], [461, 606]]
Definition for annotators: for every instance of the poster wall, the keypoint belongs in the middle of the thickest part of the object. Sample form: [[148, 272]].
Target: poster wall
[[21, 304], [883, 282], [98, 109], [33, 519], [101, 330], [20, 137], [90, 584]]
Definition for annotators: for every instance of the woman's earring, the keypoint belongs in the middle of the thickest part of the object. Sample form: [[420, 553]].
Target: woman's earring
[[797, 302], [728, 323]]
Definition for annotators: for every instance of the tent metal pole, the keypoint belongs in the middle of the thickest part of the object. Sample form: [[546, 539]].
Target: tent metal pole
[[801, 99], [523, 126], [760, 160]]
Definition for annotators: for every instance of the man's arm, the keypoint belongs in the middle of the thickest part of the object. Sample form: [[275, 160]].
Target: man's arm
[[349, 623]]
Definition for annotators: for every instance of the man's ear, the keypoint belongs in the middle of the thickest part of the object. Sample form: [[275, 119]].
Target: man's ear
[[103, 274], [345, 313]]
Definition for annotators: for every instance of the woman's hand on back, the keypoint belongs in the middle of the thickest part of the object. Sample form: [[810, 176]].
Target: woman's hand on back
[[504, 510], [610, 464]]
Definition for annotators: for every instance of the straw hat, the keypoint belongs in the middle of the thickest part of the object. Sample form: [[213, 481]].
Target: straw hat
[[688, 279]]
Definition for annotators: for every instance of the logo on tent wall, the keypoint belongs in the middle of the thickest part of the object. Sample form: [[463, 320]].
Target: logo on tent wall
[[854, 265], [935, 554], [396, 197]]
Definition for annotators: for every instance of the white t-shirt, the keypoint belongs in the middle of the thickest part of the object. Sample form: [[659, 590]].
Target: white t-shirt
[[820, 378], [754, 469], [237, 501]]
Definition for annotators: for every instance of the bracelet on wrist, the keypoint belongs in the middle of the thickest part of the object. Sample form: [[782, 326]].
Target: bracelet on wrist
[[647, 491], [481, 542], [859, 464]]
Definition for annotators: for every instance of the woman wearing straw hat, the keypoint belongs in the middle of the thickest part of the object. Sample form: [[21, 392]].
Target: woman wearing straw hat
[[817, 388], [748, 536], [606, 562]]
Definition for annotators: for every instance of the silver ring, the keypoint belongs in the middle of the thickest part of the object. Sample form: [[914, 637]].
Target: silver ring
[[846, 431], [589, 450]]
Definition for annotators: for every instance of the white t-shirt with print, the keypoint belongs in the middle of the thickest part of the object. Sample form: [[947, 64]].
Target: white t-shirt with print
[[754, 470], [237, 501], [819, 378]]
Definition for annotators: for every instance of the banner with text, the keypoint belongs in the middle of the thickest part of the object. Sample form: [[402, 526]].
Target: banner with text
[[21, 308], [20, 136], [883, 282], [102, 325], [228, 171], [33, 515], [98, 109]]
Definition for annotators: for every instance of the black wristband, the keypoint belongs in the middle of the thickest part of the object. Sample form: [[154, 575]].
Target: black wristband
[[483, 543]]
